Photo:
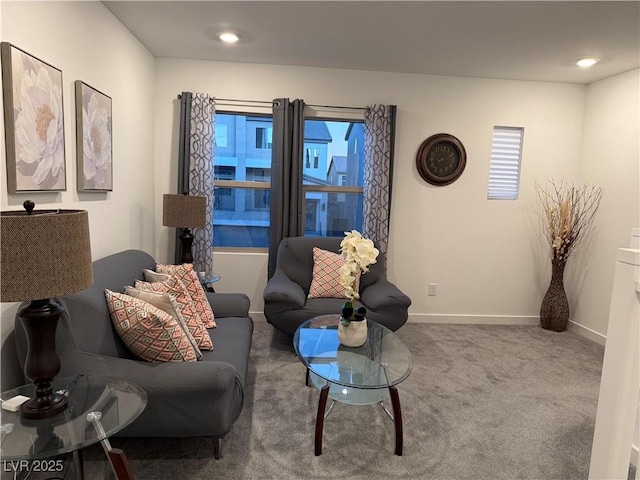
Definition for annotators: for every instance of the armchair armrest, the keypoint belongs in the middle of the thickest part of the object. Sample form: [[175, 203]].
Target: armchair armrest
[[229, 304], [282, 290], [383, 293]]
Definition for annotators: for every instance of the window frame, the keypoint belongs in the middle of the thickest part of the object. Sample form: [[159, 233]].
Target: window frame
[[306, 188]]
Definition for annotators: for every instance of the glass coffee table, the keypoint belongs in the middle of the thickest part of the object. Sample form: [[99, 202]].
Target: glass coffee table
[[358, 376], [97, 408]]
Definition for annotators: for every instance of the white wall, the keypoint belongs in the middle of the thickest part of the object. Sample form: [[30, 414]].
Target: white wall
[[610, 158], [87, 43], [487, 257]]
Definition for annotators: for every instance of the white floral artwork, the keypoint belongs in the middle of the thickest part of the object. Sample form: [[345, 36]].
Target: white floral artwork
[[93, 116], [34, 121]]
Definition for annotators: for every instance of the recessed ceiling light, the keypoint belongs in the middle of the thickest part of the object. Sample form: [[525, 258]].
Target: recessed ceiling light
[[228, 37], [587, 62]]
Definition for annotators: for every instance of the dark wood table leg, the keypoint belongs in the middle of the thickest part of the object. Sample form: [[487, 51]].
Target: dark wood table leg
[[397, 418], [322, 404], [120, 464], [307, 380]]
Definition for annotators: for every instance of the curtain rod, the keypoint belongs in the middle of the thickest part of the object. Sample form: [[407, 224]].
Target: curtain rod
[[270, 102], [336, 107]]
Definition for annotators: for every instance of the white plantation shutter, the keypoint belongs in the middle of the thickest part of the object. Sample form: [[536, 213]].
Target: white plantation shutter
[[504, 172]]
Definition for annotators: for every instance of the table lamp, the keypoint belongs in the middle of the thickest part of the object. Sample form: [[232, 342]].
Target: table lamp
[[184, 211], [44, 254]]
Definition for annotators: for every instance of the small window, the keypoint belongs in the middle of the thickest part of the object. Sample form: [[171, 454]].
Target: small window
[[504, 172], [221, 135], [264, 137]]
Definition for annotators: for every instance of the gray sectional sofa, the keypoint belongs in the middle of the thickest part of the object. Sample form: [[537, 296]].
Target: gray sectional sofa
[[201, 398]]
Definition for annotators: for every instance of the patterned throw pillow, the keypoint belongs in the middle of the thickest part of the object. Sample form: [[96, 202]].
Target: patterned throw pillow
[[147, 331], [189, 277], [175, 287], [166, 303], [151, 276], [326, 275]]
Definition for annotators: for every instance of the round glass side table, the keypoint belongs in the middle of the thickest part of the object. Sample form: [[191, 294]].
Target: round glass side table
[[207, 279], [97, 409]]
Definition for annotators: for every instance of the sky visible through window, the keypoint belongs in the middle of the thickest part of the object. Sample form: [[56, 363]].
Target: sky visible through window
[[339, 145]]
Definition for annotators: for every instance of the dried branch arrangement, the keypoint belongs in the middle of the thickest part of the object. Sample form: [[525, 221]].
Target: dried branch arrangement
[[569, 214]]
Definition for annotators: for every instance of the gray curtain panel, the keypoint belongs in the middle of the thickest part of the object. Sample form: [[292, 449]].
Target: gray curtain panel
[[196, 168], [286, 219], [379, 139]]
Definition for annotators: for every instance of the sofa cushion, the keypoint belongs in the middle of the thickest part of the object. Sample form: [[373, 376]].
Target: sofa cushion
[[175, 287], [189, 277], [166, 303], [326, 275], [149, 332]]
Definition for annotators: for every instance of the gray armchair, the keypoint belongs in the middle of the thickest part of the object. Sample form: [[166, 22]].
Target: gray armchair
[[286, 304]]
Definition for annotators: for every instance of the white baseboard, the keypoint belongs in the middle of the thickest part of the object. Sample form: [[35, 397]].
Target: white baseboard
[[484, 320], [587, 333], [635, 455], [474, 319]]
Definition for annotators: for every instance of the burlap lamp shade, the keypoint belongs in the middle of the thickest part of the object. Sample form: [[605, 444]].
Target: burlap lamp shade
[[44, 254], [184, 211]]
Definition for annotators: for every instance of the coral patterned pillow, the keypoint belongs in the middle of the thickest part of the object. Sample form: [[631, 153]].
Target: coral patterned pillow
[[166, 303], [326, 275], [147, 331], [175, 287], [189, 277]]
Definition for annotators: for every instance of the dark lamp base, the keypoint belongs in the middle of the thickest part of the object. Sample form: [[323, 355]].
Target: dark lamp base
[[186, 239], [40, 320], [43, 407]]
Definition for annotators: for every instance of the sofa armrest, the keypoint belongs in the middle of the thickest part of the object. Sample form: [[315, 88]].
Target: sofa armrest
[[282, 290], [184, 398], [229, 304], [383, 293]]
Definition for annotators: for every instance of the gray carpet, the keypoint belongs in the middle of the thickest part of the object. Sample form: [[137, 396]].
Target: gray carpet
[[482, 402]]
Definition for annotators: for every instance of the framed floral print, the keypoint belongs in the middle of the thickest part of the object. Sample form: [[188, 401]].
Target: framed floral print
[[34, 122], [93, 139]]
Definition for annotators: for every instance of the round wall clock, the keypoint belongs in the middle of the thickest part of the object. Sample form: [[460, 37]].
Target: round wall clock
[[441, 159]]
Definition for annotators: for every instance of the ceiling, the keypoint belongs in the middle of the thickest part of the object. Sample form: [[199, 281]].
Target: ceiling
[[521, 40]]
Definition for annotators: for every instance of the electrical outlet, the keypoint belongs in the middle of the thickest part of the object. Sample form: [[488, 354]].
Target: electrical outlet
[[433, 289]]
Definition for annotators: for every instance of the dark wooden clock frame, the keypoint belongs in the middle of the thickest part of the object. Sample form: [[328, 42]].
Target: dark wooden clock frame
[[429, 159]]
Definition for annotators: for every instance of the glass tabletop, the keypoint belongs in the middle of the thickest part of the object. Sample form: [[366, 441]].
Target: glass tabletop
[[383, 361], [207, 278], [119, 402]]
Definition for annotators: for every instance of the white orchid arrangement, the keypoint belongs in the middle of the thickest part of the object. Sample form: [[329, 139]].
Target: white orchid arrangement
[[358, 253]]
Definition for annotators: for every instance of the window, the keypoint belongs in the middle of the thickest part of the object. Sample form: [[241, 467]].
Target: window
[[504, 171], [332, 178], [332, 182], [221, 135], [242, 178], [264, 137]]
